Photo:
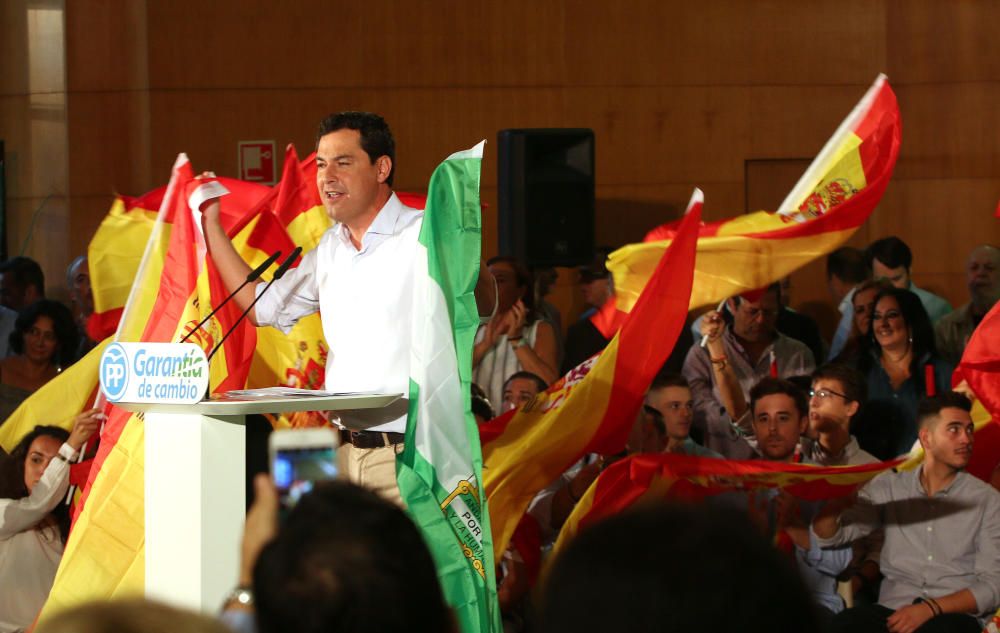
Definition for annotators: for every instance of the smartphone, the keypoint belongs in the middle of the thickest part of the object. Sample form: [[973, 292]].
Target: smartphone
[[300, 458]]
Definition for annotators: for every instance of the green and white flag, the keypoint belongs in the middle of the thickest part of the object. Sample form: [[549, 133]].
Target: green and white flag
[[440, 469]]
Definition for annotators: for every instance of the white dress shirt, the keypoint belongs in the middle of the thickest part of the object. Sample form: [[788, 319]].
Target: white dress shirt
[[365, 298]]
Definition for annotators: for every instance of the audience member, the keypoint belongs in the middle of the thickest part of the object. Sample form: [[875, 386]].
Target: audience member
[[862, 305], [675, 568], [21, 283], [838, 391], [544, 278], [890, 258], [82, 299], [584, 338], [482, 409], [34, 521], [669, 406], [900, 349], [520, 388], [131, 615], [734, 359], [343, 559], [516, 338], [952, 332], [941, 557], [796, 325], [780, 417], [43, 342], [846, 269]]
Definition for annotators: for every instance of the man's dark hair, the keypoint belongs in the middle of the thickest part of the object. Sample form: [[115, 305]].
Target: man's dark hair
[[769, 386], [848, 265], [539, 382], [25, 272], [891, 251], [12, 472], [669, 379], [346, 560], [376, 137], [67, 335], [669, 568], [854, 385], [931, 407]]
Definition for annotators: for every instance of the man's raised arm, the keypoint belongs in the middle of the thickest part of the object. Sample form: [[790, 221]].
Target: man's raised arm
[[230, 265]]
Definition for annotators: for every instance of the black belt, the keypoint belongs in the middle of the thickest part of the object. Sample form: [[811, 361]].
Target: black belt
[[370, 439]]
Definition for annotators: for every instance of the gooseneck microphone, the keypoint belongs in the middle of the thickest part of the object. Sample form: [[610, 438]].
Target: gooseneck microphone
[[278, 274], [252, 277]]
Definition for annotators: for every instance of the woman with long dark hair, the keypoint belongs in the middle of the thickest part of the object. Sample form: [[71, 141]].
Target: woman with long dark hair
[[516, 338], [34, 521], [902, 366]]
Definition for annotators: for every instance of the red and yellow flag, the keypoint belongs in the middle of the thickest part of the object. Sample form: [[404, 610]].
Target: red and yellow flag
[[592, 408], [656, 477], [832, 199]]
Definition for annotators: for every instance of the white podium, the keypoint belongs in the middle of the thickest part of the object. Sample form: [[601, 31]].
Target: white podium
[[195, 490]]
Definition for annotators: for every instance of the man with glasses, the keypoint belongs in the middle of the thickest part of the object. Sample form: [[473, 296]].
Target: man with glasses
[[838, 391], [734, 358]]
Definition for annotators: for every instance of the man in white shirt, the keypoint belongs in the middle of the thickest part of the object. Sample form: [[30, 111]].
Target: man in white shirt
[[359, 279]]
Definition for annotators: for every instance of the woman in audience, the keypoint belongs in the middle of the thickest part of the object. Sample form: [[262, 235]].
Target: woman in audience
[[902, 366], [862, 304], [515, 339], [43, 342], [34, 521]]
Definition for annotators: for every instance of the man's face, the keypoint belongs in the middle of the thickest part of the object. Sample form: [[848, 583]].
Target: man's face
[[755, 321], [864, 304], [11, 294], [40, 453], [596, 292], [777, 424], [899, 276], [983, 274], [828, 407], [79, 290], [347, 179], [675, 407], [517, 392], [948, 440]]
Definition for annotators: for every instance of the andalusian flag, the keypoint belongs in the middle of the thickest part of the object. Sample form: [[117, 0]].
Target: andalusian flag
[[654, 478], [440, 469], [832, 199], [593, 407]]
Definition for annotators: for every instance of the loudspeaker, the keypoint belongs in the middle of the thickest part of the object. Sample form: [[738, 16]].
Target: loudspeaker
[[545, 194]]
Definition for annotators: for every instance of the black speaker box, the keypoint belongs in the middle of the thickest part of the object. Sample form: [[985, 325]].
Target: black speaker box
[[545, 195]]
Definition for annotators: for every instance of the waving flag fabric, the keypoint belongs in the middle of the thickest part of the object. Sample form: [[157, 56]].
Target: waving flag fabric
[[440, 469], [832, 199], [593, 407]]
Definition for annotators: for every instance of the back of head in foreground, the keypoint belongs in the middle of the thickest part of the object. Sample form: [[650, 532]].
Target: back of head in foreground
[[346, 560], [132, 615], [675, 568]]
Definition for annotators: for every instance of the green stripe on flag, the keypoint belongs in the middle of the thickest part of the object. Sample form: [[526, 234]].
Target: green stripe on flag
[[440, 468]]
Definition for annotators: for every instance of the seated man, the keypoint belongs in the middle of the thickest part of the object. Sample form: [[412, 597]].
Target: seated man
[[890, 258], [838, 391], [734, 359], [941, 557], [519, 389], [952, 332], [780, 416], [669, 407]]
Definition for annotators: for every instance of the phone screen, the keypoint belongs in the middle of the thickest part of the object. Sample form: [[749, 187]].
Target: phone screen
[[295, 470]]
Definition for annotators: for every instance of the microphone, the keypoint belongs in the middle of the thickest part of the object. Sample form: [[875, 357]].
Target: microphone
[[252, 277], [278, 274]]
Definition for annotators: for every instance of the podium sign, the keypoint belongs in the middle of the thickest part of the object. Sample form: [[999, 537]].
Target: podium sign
[[175, 373]]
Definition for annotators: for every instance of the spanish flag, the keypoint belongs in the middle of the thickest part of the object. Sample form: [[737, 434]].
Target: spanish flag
[[832, 199], [592, 408], [653, 478]]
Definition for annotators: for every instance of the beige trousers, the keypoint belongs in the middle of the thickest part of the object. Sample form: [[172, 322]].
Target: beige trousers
[[372, 468]]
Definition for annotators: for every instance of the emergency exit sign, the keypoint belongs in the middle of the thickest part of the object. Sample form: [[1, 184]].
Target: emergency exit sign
[[257, 161]]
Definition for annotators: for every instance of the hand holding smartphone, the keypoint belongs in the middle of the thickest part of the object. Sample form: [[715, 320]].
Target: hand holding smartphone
[[300, 458]]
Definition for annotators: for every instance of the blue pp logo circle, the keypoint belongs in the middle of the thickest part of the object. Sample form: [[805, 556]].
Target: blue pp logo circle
[[114, 372]]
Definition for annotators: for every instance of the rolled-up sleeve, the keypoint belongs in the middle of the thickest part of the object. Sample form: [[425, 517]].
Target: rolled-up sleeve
[[986, 587], [828, 561], [294, 296], [17, 515]]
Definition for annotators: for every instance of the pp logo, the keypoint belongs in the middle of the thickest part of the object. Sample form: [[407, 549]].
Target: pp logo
[[114, 372]]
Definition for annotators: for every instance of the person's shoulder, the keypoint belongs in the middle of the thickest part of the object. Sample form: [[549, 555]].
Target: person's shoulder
[[787, 344], [409, 219], [979, 488]]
